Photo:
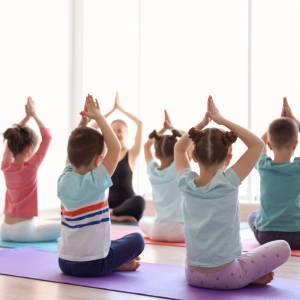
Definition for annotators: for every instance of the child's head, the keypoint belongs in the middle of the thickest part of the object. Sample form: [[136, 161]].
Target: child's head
[[120, 128], [21, 141], [164, 144], [283, 134], [85, 147], [212, 146]]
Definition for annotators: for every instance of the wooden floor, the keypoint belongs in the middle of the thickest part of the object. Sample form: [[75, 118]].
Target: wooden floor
[[12, 288]]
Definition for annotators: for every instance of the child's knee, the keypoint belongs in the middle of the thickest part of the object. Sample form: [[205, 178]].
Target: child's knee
[[138, 242]]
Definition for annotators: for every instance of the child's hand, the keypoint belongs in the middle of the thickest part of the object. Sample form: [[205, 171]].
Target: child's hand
[[286, 109], [167, 121], [117, 104], [213, 111], [30, 108], [92, 109]]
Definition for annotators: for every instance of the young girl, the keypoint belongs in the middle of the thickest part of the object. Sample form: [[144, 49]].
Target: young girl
[[168, 224], [211, 212], [85, 247], [20, 166]]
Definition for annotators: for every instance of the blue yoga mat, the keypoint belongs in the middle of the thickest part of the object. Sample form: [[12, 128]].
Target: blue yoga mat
[[42, 246]]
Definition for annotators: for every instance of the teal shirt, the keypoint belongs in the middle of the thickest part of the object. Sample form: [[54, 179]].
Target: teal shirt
[[211, 218], [166, 194], [279, 195]]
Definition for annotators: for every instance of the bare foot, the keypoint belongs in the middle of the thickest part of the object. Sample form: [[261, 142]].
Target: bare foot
[[131, 265], [123, 218], [264, 280]]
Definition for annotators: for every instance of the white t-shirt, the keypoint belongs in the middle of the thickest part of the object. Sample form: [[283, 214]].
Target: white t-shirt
[[85, 219]]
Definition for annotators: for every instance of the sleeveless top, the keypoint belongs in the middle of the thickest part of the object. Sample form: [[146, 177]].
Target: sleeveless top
[[122, 184]]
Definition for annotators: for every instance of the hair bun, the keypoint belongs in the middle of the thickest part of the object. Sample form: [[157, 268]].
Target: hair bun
[[229, 138], [13, 133], [154, 135], [176, 133], [195, 135]]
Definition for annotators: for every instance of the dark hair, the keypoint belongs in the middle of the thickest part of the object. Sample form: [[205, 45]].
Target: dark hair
[[164, 144], [283, 132], [120, 121], [211, 144], [18, 138], [83, 145]]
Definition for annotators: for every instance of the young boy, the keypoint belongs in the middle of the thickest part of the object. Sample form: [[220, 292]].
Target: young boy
[[85, 247], [279, 215]]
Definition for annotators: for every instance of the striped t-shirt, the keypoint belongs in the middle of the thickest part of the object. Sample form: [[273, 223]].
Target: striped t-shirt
[[85, 220]]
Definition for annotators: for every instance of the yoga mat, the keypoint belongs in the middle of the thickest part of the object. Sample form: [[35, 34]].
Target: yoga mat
[[118, 231], [171, 284], [43, 246]]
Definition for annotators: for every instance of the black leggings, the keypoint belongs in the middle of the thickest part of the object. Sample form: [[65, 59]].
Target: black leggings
[[133, 206], [293, 238]]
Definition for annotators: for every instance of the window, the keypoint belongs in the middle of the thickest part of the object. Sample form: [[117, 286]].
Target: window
[[35, 54]]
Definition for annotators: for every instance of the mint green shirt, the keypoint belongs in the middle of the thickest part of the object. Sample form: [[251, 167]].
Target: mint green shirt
[[279, 195], [211, 218], [166, 194]]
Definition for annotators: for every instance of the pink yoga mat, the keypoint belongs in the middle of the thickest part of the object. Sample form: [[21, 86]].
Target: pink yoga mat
[[156, 280], [117, 231]]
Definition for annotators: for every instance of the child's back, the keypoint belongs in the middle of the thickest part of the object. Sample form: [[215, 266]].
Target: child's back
[[279, 214], [168, 223], [211, 213], [85, 247]]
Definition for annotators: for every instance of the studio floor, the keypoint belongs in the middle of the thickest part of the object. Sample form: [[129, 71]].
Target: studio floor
[[14, 288]]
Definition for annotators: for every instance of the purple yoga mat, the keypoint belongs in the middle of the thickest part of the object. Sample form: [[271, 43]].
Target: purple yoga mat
[[155, 280]]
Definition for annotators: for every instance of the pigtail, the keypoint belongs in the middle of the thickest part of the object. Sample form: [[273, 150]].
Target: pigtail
[[154, 135], [176, 133], [229, 138], [195, 134]]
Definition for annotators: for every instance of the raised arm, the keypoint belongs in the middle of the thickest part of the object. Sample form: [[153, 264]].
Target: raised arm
[[255, 145], [182, 147], [287, 112], [46, 136], [137, 146], [113, 146]]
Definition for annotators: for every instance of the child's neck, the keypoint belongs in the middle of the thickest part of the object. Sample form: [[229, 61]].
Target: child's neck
[[83, 169], [165, 162], [20, 159], [282, 156], [206, 175]]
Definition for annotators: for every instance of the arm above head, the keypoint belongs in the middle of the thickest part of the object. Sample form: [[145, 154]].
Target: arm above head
[[45, 133], [183, 146], [255, 145], [113, 146], [287, 112], [148, 150]]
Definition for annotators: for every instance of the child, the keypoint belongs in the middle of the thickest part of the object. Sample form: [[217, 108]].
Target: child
[[279, 215], [211, 213], [20, 166], [168, 225], [85, 248]]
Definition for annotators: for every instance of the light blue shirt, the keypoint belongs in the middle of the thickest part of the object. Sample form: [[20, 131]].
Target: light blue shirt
[[85, 219], [211, 218], [279, 195], [76, 190], [166, 194]]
